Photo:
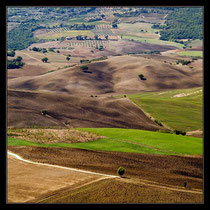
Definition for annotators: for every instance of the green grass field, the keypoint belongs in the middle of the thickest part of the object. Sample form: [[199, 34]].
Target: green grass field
[[152, 41], [136, 27], [130, 140], [191, 53], [181, 113]]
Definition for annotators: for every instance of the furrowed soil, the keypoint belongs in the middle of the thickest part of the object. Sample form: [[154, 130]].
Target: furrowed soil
[[64, 110], [148, 178]]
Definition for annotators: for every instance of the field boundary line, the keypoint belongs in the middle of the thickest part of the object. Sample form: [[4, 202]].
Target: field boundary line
[[57, 166], [167, 187], [141, 181], [148, 115], [67, 189]]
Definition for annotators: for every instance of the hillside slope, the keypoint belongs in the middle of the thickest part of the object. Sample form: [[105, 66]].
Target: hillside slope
[[117, 75], [24, 110]]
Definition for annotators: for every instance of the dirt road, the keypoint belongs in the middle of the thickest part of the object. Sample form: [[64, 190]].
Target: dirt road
[[42, 177], [28, 180]]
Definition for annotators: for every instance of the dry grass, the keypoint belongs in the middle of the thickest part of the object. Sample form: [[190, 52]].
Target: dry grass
[[53, 135]]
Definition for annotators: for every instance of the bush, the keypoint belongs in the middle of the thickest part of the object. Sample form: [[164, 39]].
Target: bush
[[177, 132], [11, 53], [15, 63], [159, 123], [84, 67], [141, 76], [120, 170], [44, 112], [183, 62], [45, 60], [84, 61]]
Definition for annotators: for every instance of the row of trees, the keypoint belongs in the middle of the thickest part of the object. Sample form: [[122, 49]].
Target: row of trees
[[74, 26], [135, 13]]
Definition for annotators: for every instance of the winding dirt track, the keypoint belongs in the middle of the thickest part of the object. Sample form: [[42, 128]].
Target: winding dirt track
[[31, 181], [28, 180]]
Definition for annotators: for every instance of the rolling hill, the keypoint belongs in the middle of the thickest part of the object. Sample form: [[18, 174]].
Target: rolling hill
[[116, 75]]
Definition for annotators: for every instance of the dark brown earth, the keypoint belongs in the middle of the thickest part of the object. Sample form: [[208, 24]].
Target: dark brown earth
[[63, 110], [167, 170], [122, 191]]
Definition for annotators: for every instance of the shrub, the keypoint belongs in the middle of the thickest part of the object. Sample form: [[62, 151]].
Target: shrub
[[11, 53], [120, 170], [141, 76], [159, 123], [183, 62], [45, 60], [44, 50], [44, 112], [15, 63], [84, 67], [177, 132], [84, 61]]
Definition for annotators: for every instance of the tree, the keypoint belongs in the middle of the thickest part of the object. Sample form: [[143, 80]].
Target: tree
[[101, 47], [114, 26], [44, 50], [11, 53], [45, 59], [141, 76], [121, 171], [44, 112], [96, 37], [19, 58], [67, 58]]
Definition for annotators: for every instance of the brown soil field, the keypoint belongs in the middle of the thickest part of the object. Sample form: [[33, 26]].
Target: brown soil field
[[28, 181], [148, 178], [117, 75], [115, 47], [24, 109], [26, 70]]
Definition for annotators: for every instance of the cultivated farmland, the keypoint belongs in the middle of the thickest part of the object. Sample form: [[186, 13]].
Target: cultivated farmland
[[101, 88]]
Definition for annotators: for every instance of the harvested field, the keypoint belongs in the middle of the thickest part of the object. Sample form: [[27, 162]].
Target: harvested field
[[118, 75], [26, 70], [159, 178], [28, 181]]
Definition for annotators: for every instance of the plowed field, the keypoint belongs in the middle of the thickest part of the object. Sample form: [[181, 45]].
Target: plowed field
[[148, 178]]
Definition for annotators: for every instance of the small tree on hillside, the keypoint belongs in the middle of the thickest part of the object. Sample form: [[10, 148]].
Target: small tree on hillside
[[45, 60], [121, 171]]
